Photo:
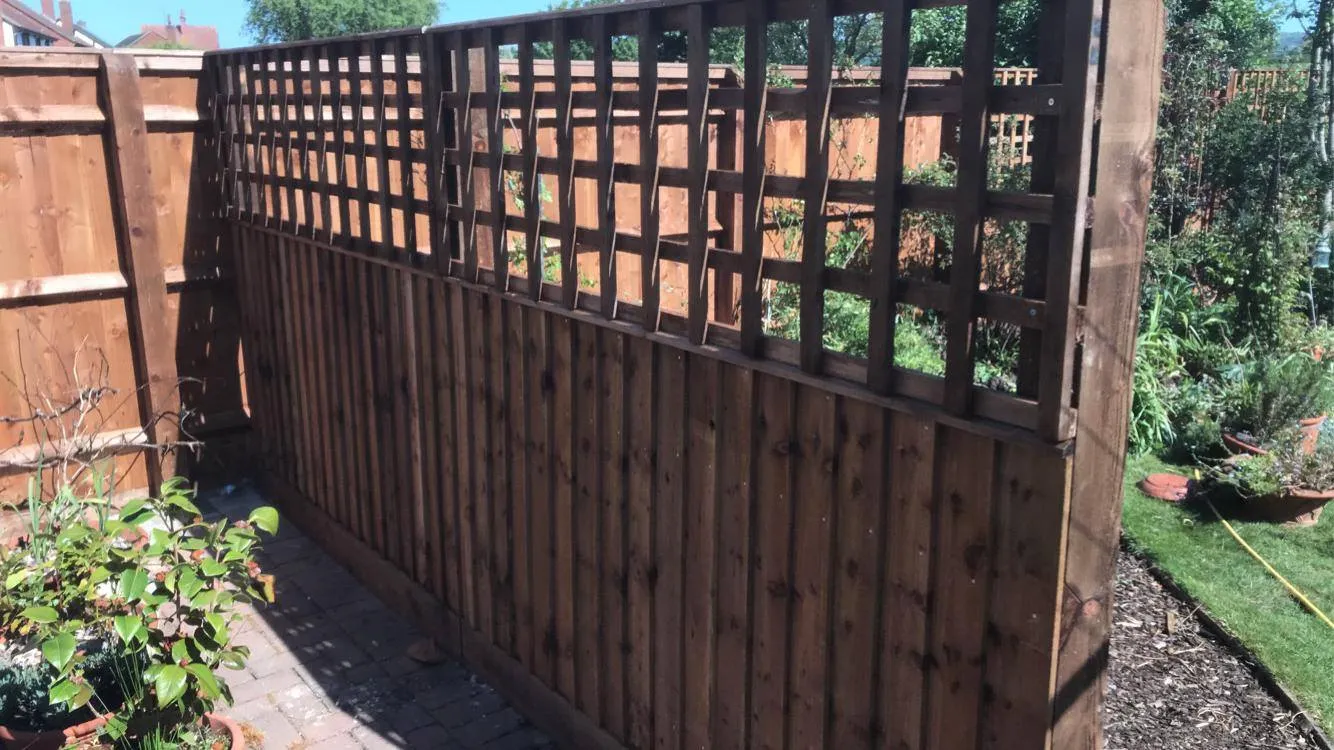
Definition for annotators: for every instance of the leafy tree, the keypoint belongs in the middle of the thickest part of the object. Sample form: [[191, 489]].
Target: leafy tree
[[292, 20], [936, 38]]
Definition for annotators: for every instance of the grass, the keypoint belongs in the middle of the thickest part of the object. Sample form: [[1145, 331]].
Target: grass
[[1204, 559]]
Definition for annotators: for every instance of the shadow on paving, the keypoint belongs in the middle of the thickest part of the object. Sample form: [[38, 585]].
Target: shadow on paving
[[328, 666]]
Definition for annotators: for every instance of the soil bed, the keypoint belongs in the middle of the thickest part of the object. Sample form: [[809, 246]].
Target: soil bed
[[1182, 689]]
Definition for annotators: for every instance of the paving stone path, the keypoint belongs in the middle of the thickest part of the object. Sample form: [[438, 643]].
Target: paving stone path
[[328, 667]]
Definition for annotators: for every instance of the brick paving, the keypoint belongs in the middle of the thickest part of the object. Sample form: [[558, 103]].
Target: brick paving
[[328, 667]]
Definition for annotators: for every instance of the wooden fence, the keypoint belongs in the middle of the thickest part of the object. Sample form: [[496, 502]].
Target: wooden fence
[[668, 529], [111, 270]]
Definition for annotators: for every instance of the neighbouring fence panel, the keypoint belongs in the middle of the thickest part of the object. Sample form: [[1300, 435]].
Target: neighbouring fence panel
[[107, 180], [685, 526]]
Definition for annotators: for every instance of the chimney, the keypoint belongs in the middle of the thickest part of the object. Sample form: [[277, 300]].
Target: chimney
[[66, 17], [49, 9], [182, 17]]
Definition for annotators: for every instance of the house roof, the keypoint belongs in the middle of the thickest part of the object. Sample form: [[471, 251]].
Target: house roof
[[192, 37], [21, 15]]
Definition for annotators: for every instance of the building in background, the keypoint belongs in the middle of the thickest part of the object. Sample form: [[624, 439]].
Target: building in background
[[22, 26], [173, 36]]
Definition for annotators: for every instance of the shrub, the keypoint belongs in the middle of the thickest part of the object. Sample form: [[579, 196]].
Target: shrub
[[154, 585], [1285, 467], [1268, 396]]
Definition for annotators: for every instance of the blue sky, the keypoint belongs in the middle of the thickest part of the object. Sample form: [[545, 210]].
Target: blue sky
[[114, 20]]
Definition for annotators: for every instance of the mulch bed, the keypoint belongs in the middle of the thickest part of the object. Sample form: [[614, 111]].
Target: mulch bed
[[1182, 689]]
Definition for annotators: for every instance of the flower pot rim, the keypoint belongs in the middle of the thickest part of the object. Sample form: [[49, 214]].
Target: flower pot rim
[[83, 730]]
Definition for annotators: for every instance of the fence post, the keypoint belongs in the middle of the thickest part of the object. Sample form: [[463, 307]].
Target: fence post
[[137, 245], [724, 282]]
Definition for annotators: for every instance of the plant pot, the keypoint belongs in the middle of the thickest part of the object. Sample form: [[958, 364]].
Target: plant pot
[[54, 739], [1296, 507], [1242, 447], [1311, 433], [1170, 488]]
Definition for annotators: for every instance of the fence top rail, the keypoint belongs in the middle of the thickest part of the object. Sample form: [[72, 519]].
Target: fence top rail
[[782, 10], [78, 59]]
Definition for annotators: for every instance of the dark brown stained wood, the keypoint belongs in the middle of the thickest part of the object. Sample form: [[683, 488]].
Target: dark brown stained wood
[[734, 454], [888, 207], [521, 499], [359, 369], [431, 500], [1116, 249], [532, 182], [537, 375], [904, 618], [612, 458], [231, 152], [469, 82], [317, 85], [295, 279], [288, 323], [861, 495], [283, 95], [358, 96], [273, 204], [251, 152], [495, 144], [587, 523], [413, 516], [346, 356], [565, 205], [478, 316], [753, 168], [151, 344], [1030, 517], [606, 157], [335, 355], [300, 81], [814, 519], [970, 196], [649, 217], [697, 160], [669, 526], [407, 179], [435, 74], [813, 234], [562, 470], [965, 488], [383, 307], [386, 220], [314, 341], [700, 549], [394, 420], [447, 406], [463, 325], [771, 590], [640, 371], [725, 299], [1065, 254], [270, 264], [502, 500], [338, 179]]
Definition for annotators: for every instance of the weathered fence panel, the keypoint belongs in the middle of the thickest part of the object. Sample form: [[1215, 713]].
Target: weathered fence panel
[[111, 272], [658, 527]]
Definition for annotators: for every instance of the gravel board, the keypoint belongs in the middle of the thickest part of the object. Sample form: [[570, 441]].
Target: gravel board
[[1182, 689]]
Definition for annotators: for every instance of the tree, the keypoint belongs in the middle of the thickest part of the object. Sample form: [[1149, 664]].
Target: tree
[[293, 20]]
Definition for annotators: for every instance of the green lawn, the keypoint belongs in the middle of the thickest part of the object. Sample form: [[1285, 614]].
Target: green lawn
[[1205, 560]]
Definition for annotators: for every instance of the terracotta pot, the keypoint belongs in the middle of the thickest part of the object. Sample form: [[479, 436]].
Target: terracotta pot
[[1311, 433], [52, 739], [1296, 507], [1239, 446], [1171, 488], [55, 739]]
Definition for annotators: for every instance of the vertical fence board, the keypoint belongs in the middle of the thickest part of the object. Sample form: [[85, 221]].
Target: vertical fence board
[[697, 145], [587, 523], [502, 462], [606, 144], [562, 465], [699, 550], [477, 311], [819, 71], [640, 374], [612, 458], [753, 167], [649, 216], [541, 476], [668, 511]]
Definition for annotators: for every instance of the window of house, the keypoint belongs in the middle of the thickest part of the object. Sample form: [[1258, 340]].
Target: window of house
[[27, 38]]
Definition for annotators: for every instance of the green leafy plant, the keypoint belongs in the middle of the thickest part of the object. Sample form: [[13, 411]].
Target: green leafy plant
[[1269, 395], [152, 584], [1286, 466]]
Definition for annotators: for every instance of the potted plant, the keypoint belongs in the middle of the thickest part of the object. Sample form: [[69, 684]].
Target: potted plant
[[1287, 483], [1269, 396], [115, 625]]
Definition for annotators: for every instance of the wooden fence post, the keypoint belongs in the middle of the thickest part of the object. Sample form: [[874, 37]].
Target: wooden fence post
[[1124, 175], [137, 244]]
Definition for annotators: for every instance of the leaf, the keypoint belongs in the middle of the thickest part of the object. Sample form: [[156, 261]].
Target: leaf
[[132, 583], [181, 502], [206, 680], [169, 684], [59, 650], [179, 652], [43, 615], [266, 518], [189, 583], [135, 512], [17, 577], [212, 568], [63, 691], [128, 627]]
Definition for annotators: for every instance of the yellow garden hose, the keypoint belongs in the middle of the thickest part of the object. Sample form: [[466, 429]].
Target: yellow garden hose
[[1306, 602]]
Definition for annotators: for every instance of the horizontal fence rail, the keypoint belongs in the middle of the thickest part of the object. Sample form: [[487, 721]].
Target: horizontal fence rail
[[514, 320]]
